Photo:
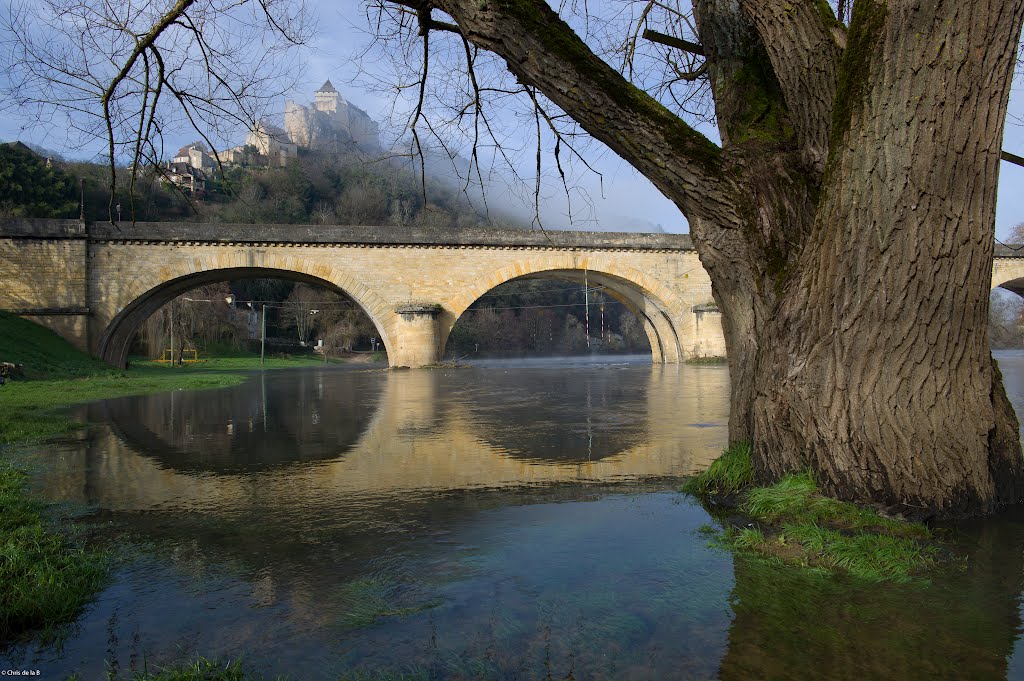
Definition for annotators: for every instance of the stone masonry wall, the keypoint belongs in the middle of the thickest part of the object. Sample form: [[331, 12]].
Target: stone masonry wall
[[43, 276]]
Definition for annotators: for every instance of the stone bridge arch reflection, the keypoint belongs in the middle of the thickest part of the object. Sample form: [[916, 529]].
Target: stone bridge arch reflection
[[276, 420], [393, 434]]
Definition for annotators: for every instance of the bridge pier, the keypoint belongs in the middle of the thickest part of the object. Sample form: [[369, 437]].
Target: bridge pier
[[416, 337]]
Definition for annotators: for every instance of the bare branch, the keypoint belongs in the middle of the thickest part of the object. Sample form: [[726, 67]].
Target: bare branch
[[672, 41]]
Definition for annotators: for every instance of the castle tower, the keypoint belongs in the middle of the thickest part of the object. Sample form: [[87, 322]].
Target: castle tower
[[326, 98]]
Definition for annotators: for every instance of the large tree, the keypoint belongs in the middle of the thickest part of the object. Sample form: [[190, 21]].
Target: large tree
[[846, 219], [847, 222]]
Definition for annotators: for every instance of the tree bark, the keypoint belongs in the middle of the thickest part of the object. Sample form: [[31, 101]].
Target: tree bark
[[877, 371]]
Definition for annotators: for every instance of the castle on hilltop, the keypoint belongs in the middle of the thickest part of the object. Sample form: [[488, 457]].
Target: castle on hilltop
[[330, 123]]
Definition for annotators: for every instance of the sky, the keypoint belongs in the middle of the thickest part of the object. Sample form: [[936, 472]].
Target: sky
[[624, 201]]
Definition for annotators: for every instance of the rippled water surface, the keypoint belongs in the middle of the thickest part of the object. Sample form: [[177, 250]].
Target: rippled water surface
[[515, 520]]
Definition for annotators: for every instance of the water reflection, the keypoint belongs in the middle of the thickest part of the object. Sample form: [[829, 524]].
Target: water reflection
[[315, 439], [434, 522], [273, 422], [793, 624]]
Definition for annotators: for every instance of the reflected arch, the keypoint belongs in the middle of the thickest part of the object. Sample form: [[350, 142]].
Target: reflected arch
[[147, 293], [664, 316]]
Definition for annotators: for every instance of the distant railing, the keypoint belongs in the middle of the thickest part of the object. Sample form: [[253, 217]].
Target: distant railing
[[168, 356]]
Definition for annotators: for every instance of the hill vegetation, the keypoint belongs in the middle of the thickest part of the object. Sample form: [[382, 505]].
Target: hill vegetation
[[315, 188]]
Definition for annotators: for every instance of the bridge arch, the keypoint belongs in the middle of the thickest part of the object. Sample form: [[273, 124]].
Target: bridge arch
[[148, 292], [1008, 273], [658, 309]]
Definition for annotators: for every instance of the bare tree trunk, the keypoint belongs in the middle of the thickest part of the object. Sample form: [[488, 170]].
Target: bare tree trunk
[[876, 370]]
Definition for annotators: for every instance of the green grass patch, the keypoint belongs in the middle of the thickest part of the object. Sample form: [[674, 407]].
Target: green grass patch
[[234, 362], [44, 353], [793, 522], [728, 474], [45, 577]]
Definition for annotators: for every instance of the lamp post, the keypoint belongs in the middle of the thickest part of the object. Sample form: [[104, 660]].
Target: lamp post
[[229, 299], [263, 328]]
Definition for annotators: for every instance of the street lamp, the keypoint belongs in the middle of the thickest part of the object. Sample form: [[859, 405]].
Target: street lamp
[[229, 299]]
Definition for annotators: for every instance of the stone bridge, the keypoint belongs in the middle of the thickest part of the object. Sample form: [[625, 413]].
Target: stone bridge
[[95, 284]]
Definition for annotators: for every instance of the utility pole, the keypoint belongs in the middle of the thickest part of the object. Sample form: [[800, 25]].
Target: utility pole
[[263, 334]]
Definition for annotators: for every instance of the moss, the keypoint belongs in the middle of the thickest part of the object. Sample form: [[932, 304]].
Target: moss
[[862, 39], [714, 360], [776, 267], [825, 12], [544, 24], [762, 115]]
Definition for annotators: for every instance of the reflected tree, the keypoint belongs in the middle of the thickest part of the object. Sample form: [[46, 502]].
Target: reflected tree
[[797, 624]]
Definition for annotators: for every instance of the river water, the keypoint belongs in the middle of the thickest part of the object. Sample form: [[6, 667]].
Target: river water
[[513, 520]]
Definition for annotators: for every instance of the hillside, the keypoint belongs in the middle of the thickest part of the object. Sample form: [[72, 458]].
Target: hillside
[[44, 354]]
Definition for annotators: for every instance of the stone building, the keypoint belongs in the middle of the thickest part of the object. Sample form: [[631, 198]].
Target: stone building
[[330, 123], [194, 156]]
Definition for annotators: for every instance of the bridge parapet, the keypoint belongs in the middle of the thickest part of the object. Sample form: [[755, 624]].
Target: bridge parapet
[[320, 235]]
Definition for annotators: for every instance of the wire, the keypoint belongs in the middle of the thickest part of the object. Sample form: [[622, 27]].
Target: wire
[[567, 288], [533, 307], [1012, 247]]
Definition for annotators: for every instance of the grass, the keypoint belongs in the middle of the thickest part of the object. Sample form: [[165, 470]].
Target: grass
[[45, 577], [791, 521], [728, 474], [372, 598], [204, 669]]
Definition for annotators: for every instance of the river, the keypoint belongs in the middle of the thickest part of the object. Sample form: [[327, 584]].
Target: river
[[513, 520]]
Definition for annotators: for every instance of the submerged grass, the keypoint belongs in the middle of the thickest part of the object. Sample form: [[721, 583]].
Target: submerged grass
[[202, 669], [372, 598], [45, 577], [793, 522]]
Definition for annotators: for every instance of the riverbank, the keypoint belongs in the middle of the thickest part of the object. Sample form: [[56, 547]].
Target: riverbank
[[47, 574], [57, 376]]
